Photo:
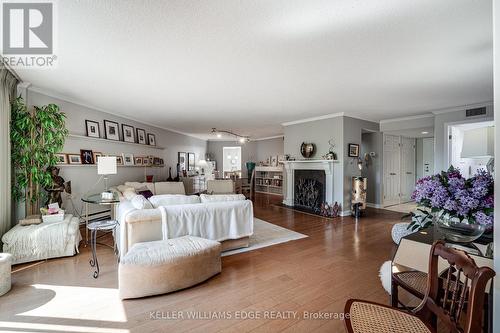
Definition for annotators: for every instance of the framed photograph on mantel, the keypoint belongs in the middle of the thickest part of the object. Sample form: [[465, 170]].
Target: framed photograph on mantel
[[128, 133], [93, 130], [353, 150], [111, 130], [141, 136]]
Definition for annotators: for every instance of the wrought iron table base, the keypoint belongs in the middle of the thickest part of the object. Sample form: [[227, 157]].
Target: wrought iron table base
[[93, 261]]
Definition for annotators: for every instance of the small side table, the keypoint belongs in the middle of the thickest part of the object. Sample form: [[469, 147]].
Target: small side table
[[96, 199], [94, 227]]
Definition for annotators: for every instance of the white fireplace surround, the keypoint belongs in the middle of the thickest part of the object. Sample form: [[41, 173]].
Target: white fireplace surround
[[291, 166]]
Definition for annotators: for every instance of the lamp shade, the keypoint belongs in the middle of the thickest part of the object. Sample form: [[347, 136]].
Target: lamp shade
[[106, 165], [478, 142]]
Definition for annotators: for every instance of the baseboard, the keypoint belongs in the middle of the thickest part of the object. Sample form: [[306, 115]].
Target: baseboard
[[372, 205], [345, 213]]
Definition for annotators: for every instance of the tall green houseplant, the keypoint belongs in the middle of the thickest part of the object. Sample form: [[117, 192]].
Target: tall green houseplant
[[36, 136]]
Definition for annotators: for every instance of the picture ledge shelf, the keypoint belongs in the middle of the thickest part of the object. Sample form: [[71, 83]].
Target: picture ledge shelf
[[84, 137]]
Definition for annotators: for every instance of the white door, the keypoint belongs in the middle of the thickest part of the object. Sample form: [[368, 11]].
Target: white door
[[428, 156], [407, 168], [391, 169]]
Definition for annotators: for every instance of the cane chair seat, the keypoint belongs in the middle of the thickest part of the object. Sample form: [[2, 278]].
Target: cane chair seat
[[413, 279], [367, 317]]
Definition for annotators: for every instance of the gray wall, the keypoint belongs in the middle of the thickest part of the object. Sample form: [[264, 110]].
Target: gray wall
[[341, 130], [352, 134], [253, 151], [84, 178], [319, 132], [373, 169], [267, 148], [441, 121]]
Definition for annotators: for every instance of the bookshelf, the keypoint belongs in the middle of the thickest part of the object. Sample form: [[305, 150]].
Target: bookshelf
[[269, 180]]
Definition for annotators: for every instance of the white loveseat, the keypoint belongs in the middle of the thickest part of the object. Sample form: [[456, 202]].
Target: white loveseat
[[224, 218]]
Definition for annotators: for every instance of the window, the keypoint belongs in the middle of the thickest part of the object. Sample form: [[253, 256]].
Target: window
[[232, 159]]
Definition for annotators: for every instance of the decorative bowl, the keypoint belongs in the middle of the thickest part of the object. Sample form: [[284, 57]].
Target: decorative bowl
[[459, 232]]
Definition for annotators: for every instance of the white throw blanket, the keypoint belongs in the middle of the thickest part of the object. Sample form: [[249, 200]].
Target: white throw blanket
[[216, 221], [38, 240]]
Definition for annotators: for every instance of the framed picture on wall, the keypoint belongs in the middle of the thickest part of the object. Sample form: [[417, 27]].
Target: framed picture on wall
[[128, 159], [93, 130], [111, 131], [96, 155], [151, 139], [128, 133], [274, 160], [119, 160], [74, 159], [141, 136], [353, 150], [191, 165], [62, 159], [139, 160], [182, 161], [87, 156]]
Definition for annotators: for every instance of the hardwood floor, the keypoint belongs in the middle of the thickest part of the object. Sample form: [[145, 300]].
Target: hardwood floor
[[316, 275]]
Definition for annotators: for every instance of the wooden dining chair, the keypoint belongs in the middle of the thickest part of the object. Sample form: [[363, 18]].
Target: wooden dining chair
[[444, 303]]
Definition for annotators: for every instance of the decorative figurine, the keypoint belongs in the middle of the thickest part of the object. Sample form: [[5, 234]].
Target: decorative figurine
[[58, 186]]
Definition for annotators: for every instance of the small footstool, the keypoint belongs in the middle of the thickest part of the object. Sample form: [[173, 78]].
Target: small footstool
[[158, 267], [5, 272]]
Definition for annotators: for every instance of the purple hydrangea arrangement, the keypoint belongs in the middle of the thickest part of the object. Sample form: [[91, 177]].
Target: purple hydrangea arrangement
[[450, 194]]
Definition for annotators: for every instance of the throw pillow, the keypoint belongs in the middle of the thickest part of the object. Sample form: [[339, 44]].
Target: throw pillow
[[129, 194], [146, 193], [140, 202]]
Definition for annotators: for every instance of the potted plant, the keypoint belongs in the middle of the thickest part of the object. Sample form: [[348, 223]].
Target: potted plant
[[461, 208], [36, 136]]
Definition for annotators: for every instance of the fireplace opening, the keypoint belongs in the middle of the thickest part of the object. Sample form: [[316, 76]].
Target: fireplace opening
[[309, 190]]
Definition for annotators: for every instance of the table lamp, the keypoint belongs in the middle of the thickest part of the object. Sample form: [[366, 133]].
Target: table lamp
[[106, 165]]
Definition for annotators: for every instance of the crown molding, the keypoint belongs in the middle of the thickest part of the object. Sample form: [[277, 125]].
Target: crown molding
[[462, 107], [73, 101], [269, 138], [421, 116], [307, 120]]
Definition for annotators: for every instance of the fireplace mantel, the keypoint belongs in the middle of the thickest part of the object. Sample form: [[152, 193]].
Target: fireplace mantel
[[290, 166]]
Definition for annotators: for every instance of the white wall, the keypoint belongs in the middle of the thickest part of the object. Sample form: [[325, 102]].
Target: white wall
[[83, 178], [441, 122], [496, 80]]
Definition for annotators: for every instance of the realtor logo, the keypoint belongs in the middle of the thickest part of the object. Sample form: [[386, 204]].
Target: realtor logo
[[27, 28]]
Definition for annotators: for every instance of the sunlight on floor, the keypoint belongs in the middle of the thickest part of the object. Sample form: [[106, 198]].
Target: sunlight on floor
[[81, 303]]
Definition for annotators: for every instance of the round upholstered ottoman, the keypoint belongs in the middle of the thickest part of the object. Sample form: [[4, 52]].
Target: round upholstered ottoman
[[158, 267], [399, 230], [5, 271]]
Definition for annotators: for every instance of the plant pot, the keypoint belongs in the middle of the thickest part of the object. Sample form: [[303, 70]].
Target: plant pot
[[459, 232]]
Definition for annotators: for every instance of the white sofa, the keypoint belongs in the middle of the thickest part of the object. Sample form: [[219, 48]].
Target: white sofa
[[227, 219]]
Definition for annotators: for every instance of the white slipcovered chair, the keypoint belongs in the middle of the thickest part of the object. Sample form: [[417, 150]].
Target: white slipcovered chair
[[5, 272], [220, 186]]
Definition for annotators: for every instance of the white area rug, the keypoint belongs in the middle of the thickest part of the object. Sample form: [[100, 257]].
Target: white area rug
[[266, 234]]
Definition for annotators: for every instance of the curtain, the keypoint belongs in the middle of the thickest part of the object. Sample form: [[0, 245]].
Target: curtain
[[8, 85]]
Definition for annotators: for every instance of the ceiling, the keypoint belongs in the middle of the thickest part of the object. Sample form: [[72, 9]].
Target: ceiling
[[250, 66]]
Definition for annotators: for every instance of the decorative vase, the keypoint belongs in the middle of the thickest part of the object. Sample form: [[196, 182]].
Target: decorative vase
[[456, 231], [250, 166]]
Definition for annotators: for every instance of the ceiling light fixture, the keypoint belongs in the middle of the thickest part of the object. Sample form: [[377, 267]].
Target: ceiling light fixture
[[241, 138]]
